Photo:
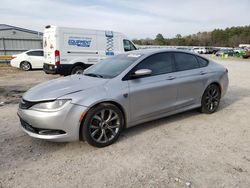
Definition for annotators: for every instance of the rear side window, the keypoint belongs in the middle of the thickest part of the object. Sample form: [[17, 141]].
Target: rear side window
[[185, 61], [158, 63], [203, 62], [35, 53]]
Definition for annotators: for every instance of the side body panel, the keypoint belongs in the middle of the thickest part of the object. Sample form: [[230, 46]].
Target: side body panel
[[151, 95]]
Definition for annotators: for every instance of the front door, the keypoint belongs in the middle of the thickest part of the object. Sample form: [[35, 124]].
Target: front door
[[156, 93]]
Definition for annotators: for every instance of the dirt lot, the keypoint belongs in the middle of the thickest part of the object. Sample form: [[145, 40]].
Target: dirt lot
[[184, 150]]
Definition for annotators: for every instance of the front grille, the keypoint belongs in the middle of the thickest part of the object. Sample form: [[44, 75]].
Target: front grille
[[26, 104], [40, 131], [28, 127]]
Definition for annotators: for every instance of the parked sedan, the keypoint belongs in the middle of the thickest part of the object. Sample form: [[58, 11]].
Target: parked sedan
[[32, 59], [200, 50], [223, 52], [246, 55], [120, 92]]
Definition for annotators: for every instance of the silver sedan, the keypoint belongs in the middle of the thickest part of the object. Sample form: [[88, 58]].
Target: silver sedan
[[120, 92]]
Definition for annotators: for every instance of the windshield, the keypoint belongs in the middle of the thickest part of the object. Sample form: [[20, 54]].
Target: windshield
[[113, 66]]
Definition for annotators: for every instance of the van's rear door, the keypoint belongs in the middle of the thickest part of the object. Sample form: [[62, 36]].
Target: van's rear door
[[49, 45]]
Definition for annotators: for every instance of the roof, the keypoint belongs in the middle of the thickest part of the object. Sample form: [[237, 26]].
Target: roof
[[10, 27], [150, 51]]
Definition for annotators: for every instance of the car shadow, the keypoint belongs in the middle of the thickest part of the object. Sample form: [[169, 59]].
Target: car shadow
[[22, 149], [18, 149], [234, 94], [143, 127], [36, 69]]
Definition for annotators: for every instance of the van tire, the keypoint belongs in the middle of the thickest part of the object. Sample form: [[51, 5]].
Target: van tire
[[78, 69]]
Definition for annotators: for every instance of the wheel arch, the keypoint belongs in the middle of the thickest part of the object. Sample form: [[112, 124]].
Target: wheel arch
[[24, 62], [78, 64], [211, 83], [118, 105], [215, 83]]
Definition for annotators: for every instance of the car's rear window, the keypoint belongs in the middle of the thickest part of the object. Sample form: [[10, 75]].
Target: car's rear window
[[35, 53], [184, 61], [203, 62]]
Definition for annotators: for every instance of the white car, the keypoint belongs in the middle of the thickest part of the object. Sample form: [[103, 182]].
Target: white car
[[32, 59], [200, 50]]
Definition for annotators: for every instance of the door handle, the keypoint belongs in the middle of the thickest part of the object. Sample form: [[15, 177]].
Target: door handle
[[203, 72], [170, 78]]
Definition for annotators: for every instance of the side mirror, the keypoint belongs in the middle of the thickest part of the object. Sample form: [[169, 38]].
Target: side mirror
[[141, 73]]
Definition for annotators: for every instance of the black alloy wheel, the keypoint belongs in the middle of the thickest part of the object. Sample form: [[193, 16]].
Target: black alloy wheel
[[211, 99], [102, 125]]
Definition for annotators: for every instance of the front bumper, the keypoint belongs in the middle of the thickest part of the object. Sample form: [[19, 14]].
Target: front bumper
[[60, 126]]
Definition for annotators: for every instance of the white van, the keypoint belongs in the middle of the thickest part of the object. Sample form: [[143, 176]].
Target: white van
[[71, 50]]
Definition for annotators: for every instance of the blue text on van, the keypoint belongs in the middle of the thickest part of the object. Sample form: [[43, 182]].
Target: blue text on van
[[80, 42]]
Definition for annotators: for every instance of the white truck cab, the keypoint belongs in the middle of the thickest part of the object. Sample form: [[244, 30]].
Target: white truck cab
[[71, 50]]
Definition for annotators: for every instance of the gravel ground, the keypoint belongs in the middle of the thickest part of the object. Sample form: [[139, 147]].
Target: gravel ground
[[184, 150]]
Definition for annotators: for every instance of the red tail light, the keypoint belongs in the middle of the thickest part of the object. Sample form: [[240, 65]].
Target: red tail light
[[57, 57], [13, 57]]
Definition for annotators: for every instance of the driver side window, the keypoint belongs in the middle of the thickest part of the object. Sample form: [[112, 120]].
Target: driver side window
[[158, 64], [128, 46]]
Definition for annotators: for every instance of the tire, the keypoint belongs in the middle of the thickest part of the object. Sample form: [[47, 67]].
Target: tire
[[210, 99], [77, 69], [97, 130], [25, 65]]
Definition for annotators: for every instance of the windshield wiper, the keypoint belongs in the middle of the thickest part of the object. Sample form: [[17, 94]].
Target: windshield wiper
[[94, 75]]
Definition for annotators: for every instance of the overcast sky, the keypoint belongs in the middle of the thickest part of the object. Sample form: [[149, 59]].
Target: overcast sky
[[135, 18]]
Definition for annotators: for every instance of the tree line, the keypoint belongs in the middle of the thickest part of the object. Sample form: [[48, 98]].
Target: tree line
[[229, 37]]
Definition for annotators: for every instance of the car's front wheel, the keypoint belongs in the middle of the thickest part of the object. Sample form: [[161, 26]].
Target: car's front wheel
[[25, 65], [210, 99], [102, 125]]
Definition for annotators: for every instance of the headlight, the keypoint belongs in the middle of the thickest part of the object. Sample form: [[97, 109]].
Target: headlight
[[51, 106]]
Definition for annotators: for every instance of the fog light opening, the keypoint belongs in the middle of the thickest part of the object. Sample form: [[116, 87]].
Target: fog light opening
[[50, 132]]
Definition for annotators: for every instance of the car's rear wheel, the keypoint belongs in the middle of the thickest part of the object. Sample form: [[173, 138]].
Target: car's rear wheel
[[77, 69], [102, 125], [25, 65], [210, 99]]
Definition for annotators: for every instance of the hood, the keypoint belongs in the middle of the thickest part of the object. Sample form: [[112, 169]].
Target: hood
[[59, 87]]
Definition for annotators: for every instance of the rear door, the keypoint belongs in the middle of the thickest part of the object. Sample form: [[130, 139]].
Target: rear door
[[36, 58], [154, 94], [191, 78], [49, 45]]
